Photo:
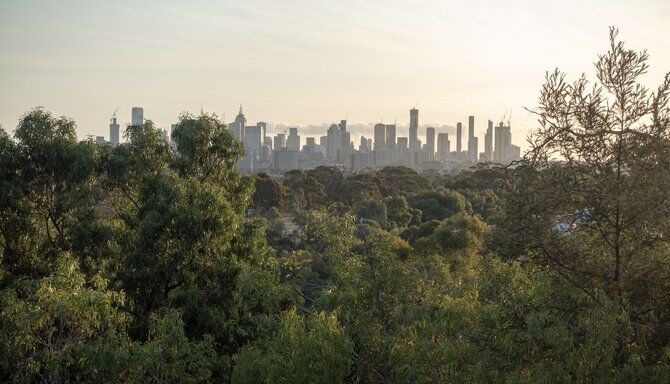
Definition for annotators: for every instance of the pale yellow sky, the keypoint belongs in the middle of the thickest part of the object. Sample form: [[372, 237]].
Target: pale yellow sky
[[307, 62]]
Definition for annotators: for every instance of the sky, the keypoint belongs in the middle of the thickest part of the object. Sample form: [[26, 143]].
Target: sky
[[307, 62]]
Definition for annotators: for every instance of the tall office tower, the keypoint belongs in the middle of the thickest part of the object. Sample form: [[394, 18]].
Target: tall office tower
[[380, 136], [310, 145], [280, 141], [471, 126], [401, 154], [266, 150], [402, 144], [459, 134], [488, 142], [430, 142], [237, 126], [293, 139], [365, 145], [264, 127], [346, 147], [333, 142], [473, 149], [342, 125], [502, 143], [443, 146], [137, 116], [390, 137], [253, 140], [114, 131], [473, 142], [323, 145], [413, 129]]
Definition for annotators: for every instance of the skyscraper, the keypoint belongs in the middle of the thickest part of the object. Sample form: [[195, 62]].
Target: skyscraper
[[380, 136], [473, 142], [237, 126], [430, 142], [137, 116], [459, 134], [473, 149], [471, 126], [279, 141], [443, 146], [390, 137], [293, 139], [114, 131], [365, 145], [413, 129], [503, 142], [252, 141], [488, 142]]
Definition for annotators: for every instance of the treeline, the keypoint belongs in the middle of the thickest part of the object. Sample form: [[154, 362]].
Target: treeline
[[140, 263]]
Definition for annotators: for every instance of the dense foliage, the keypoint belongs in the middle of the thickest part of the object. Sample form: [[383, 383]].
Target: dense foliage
[[148, 263]]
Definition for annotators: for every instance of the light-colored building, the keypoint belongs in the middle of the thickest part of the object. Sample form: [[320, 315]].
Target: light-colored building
[[137, 116], [293, 139], [443, 146], [488, 142], [238, 126], [114, 131], [430, 142]]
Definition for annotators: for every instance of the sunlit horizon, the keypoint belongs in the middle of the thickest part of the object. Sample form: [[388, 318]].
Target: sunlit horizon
[[308, 63]]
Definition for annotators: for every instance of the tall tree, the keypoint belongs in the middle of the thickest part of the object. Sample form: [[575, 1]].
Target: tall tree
[[592, 200]]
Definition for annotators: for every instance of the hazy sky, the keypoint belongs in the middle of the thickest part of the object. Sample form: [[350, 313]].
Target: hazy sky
[[307, 61]]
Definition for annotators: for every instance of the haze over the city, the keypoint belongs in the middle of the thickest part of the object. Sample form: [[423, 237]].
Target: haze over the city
[[306, 62]]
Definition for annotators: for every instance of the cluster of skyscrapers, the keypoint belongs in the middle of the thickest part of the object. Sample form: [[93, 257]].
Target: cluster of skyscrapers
[[283, 151]]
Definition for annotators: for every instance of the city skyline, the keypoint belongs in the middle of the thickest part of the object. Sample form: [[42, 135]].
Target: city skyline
[[306, 63], [265, 153]]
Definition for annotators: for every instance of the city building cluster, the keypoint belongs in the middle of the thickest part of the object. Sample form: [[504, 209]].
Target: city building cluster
[[282, 152]]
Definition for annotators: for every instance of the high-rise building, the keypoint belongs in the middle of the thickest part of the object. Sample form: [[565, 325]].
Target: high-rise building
[[252, 141], [279, 141], [100, 140], [459, 135], [503, 142], [293, 139], [473, 149], [365, 145], [471, 126], [390, 137], [443, 146], [323, 145], [137, 116], [342, 125], [266, 150], [488, 142], [413, 129], [430, 142], [237, 126], [380, 136], [473, 142], [114, 131], [338, 143]]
